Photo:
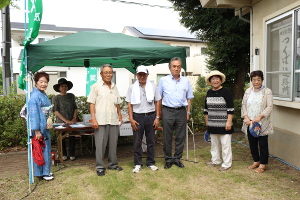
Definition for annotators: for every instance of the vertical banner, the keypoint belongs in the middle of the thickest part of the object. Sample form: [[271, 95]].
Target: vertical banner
[[91, 78], [35, 12], [285, 60]]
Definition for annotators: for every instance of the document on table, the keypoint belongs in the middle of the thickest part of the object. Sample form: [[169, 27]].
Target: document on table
[[77, 125]]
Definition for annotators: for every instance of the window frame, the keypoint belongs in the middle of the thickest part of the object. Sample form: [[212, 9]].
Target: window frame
[[294, 71]]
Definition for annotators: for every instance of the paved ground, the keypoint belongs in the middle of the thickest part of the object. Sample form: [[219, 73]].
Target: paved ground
[[16, 163]]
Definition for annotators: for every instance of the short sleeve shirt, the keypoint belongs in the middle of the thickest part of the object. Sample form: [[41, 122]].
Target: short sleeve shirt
[[175, 93], [106, 101]]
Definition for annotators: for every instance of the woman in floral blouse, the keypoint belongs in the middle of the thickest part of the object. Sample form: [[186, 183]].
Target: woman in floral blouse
[[257, 106]]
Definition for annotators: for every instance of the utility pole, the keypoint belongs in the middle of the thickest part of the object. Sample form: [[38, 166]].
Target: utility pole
[[6, 50]]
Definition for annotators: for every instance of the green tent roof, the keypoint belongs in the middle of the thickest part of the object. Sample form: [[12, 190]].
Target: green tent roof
[[98, 48]]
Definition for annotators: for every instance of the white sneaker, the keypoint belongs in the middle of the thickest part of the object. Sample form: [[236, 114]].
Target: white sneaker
[[72, 158], [65, 158], [153, 167], [48, 178], [137, 168]]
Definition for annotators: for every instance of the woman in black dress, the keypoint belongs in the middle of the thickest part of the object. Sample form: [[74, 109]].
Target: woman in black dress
[[65, 109]]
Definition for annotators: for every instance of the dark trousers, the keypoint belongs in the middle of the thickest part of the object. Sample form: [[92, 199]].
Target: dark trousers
[[71, 146], [261, 156], [174, 120], [145, 126]]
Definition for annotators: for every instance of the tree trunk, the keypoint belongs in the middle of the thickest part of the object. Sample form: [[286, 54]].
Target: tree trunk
[[239, 83]]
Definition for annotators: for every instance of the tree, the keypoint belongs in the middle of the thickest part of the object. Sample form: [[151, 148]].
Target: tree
[[1, 82], [227, 37]]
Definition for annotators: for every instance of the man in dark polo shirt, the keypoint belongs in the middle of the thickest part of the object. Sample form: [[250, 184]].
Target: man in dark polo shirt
[[144, 114], [176, 95]]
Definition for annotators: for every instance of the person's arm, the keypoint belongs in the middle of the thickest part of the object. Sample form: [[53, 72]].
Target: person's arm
[[75, 115], [93, 116], [188, 109], [62, 117], [34, 116], [158, 114], [206, 120], [119, 114], [229, 122], [244, 112], [130, 115]]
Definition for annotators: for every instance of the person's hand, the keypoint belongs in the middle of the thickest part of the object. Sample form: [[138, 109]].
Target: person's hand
[[156, 123], [120, 121], [257, 119], [38, 135], [247, 121], [49, 126], [134, 125], [188, 117], [94, 124], [74, 120], [70, 122], [228, 126]]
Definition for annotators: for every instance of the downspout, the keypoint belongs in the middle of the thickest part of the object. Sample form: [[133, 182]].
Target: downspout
[[241, 17]]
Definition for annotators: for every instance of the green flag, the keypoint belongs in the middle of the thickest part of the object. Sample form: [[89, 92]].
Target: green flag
[[91, 78], [35, 12]]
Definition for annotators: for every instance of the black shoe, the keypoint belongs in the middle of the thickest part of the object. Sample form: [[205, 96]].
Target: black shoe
[[101, 173], [179, 164], [168, 165], [116, 168]]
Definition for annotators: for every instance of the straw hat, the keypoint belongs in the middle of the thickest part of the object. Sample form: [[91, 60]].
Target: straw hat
[[215, 73], [62, 81]]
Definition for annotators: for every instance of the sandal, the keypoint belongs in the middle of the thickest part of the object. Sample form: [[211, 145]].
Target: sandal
[[253, 166], [260, 169]]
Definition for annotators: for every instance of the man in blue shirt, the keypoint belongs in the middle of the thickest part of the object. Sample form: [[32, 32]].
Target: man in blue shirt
[[176, 92]]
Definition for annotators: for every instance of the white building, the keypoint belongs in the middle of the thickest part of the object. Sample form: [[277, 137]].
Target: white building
[[122, 77]]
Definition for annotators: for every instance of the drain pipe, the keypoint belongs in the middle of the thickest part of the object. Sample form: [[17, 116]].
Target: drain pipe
[[241, 17]]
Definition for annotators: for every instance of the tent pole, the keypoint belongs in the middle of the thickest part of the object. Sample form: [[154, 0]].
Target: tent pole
[[187, 134]]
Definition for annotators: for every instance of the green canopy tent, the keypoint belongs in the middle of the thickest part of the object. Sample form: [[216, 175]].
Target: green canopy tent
[[97, 48]]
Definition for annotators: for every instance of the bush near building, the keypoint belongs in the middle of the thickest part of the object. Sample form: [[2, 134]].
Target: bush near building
[[13, 130]]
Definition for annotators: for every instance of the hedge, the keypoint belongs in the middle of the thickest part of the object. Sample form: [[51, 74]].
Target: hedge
[[13, 131]]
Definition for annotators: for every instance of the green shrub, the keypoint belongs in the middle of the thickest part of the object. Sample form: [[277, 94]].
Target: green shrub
[[198, 103], [13, 129]]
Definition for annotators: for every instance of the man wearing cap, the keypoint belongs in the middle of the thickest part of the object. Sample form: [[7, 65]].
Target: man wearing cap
[[144, 114], [106, 117], [176, 92], [65, 109]]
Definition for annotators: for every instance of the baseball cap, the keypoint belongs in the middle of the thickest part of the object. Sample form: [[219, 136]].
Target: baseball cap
[[142, 69]]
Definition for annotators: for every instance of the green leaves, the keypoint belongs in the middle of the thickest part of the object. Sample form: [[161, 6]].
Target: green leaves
[[227, 37]]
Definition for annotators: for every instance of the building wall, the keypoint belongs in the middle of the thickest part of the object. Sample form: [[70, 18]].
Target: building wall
[[284, 143]]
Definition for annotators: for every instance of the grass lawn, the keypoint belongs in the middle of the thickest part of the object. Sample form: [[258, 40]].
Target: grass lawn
[[195, 181]]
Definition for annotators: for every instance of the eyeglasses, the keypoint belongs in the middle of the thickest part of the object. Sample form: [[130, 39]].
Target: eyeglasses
[[107, 73]]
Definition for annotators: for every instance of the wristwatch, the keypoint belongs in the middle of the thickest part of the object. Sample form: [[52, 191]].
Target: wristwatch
[[189, 113], [157, 117]]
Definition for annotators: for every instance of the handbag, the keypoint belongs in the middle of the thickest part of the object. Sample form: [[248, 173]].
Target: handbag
[[255, 129], [207, 136]]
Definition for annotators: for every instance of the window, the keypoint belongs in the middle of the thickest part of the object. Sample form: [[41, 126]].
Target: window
[[62, 74], [187, 50], [283, 56], [204, 51], [41, 40]]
